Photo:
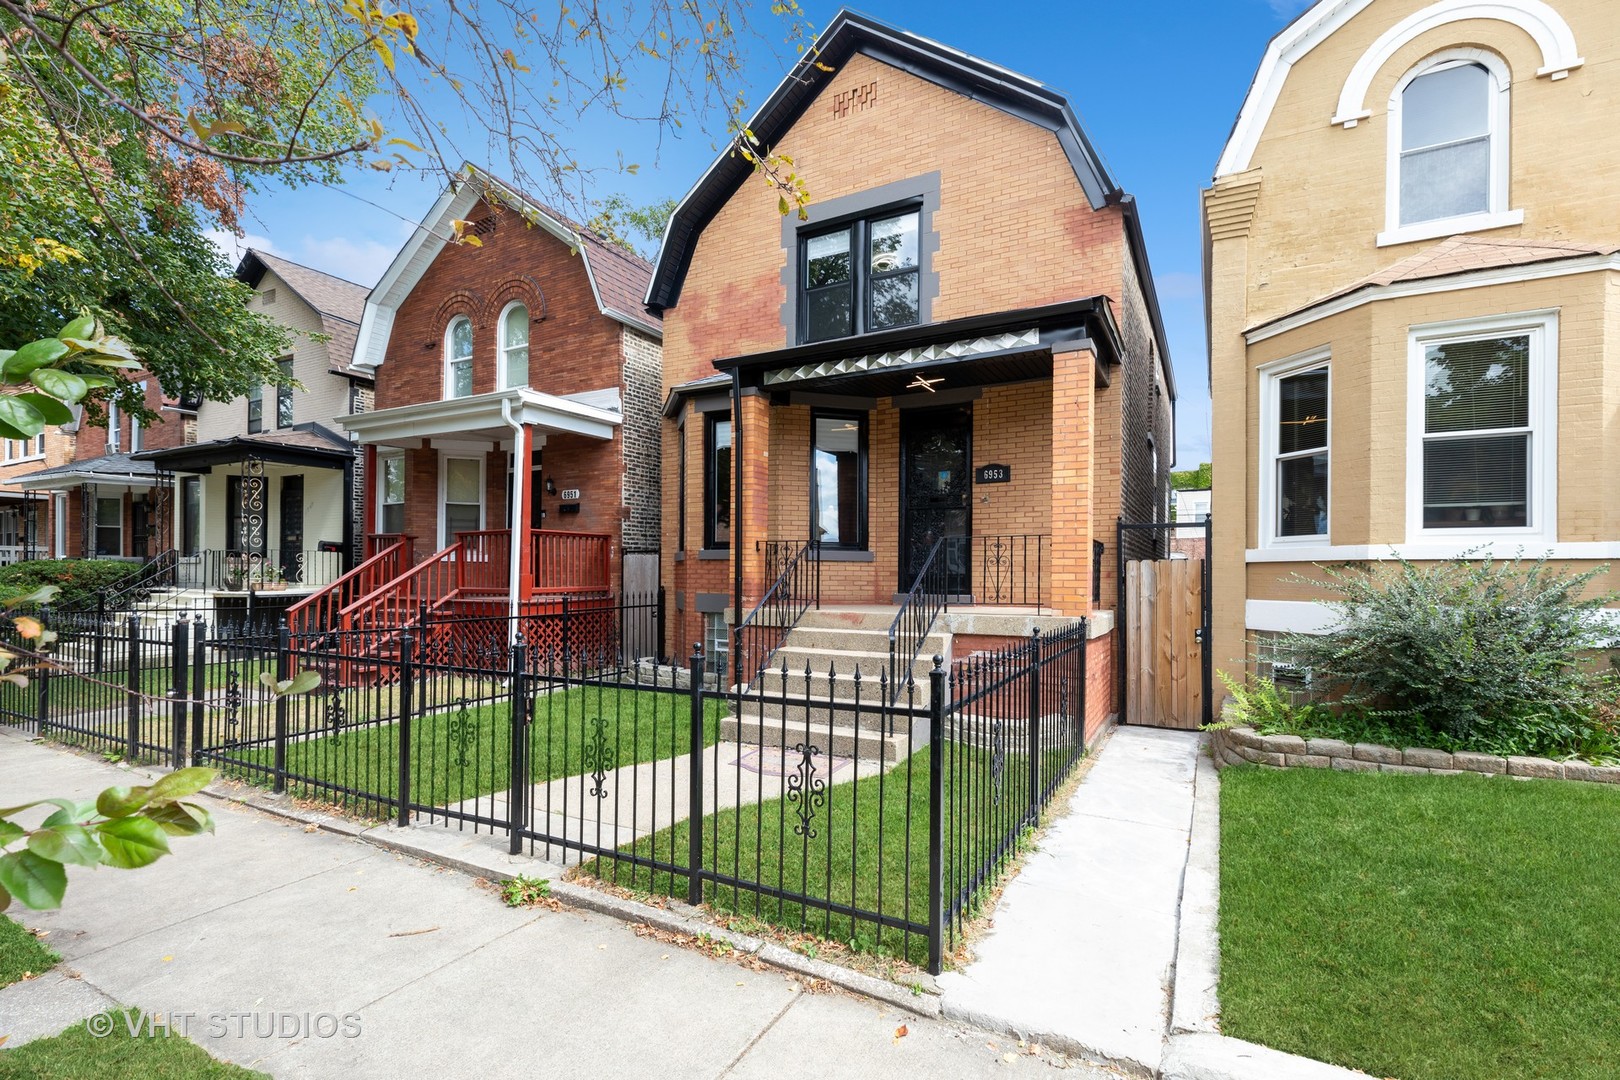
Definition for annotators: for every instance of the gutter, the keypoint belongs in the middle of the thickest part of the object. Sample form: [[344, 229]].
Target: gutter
[[515, 498]]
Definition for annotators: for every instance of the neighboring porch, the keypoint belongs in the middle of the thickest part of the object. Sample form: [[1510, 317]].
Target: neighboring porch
[[111, 507], [26, 525]]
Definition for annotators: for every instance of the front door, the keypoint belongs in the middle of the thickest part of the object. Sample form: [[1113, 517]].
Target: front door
[[292, 528], [936, 489]]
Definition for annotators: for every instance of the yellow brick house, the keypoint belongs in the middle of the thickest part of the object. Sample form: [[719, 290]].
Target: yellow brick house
[[1413, 294]]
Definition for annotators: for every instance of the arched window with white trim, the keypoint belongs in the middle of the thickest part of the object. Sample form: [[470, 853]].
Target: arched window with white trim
[[1449, 147], [514, 346], [458, 358]]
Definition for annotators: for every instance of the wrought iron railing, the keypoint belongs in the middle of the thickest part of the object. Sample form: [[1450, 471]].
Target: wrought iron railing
[[928, 597], [271, 570], [156, 573], [796, 589], [1011, 570]]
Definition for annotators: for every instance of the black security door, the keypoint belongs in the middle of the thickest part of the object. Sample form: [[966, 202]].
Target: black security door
[[936, 487], [292, 528]]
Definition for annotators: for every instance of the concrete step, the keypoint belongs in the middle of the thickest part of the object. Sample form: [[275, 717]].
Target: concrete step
[[836, 740], [872, 641], [841, 686], [821, 659], [863, 618]]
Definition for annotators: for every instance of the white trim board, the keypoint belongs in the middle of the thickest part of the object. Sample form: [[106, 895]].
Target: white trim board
[[1474, 279], [1598, 551], [1289, 616], [1323, 20]]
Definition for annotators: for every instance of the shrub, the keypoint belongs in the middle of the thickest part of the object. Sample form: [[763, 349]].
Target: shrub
[[1483, 653], [79, 579]]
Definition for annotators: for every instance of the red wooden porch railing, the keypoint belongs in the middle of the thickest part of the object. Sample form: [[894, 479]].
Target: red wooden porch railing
[[570, 562], [432, 582], [485, 564], [319, 611], [379, 542]]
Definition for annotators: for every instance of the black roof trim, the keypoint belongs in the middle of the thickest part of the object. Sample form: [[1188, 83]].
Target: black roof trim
[[847, 35], [202, 457], [1057, 323]]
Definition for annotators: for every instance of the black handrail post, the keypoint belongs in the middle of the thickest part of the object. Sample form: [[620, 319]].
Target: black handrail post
[[936, 817], [283, 673], [178, 691], [132, 671], [407, 658], [663, 613], [1035, 726], [1085, 678], [517, 800], [42, 699], [199, 683], [694, 790], [101, 629]]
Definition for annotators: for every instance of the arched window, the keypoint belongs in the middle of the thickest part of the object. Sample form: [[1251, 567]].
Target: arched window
[[514, 346], [458, 356], [1449, 147]]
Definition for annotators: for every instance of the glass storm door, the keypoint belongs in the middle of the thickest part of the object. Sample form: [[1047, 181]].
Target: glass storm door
[[936, 486]]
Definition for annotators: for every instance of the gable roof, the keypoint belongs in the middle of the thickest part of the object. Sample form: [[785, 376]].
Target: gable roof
[[338, 301], [618, 278], [845, 36], [1457, 256], [1540, 20]]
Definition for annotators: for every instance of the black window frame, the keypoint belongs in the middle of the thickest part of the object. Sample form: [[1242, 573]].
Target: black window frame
[[863, 526], [861, 276], [255, 410], [190, 515], [680, 502], [713, 507]]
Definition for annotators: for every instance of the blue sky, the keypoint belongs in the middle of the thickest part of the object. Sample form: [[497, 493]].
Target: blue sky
[[1157, 84]]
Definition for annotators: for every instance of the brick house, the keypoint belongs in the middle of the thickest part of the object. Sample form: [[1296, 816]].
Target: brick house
[[30, 520], [516, 382], [105, 502], [265, 491], [893, 385], [1414, 351]]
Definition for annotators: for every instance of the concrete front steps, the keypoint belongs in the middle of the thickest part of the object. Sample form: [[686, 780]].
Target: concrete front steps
[[831, 709]]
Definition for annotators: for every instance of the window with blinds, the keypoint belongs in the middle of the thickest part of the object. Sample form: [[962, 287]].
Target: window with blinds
[[1478, 438], [1301, 467]]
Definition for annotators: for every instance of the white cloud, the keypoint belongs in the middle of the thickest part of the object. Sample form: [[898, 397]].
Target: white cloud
[[234, 247], [362, 260]]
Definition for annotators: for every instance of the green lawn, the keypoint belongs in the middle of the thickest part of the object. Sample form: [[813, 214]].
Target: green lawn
[[21, 953], [1428, 928], [78, 1055], [859, 851], [456, 755]]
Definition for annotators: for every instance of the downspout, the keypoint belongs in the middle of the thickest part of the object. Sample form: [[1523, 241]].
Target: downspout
[[736, 524], [515, 501]]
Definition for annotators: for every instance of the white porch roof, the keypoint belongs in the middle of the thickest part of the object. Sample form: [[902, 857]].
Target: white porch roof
[[488, 417]]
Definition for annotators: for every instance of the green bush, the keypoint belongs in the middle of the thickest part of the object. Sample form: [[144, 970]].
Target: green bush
[[79, 579], [1471, 653]]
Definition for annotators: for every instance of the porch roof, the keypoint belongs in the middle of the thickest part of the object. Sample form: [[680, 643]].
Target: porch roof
[[109, 470], [1006, 346], [305, 446], [487, 416]]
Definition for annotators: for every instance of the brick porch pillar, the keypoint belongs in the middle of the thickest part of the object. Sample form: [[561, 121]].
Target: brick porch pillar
[[1073, 487]]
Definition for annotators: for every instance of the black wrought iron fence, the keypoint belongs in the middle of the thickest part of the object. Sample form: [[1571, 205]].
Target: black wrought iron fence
[[817, 799]]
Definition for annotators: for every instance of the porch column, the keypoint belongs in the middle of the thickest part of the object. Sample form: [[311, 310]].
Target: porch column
[[751, 499], [368, 499], [1074, 482], [522, 541]]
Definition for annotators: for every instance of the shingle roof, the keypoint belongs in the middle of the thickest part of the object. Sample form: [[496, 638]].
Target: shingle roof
[[621, 278], [113, 468], [339, 302]]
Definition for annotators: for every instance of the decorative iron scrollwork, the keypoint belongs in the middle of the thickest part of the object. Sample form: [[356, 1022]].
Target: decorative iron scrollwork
[[461, 732], [998, 761], [337, 715], [998, 569], [596, 756], [233, 704], [806, 790]]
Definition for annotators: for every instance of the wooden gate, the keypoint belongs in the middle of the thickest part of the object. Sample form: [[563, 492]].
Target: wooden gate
[[1164, 642]]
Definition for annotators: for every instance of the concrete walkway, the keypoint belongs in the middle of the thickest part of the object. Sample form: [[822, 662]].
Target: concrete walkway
[[269, 918], [1084, 939]]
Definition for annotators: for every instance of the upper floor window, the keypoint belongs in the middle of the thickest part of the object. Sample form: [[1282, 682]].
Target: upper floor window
[[284, 394], [860, 277], [255, 417], [458, 358], [114, 421], [1449, 148], [716, 480], [24, 449], [515, 346]]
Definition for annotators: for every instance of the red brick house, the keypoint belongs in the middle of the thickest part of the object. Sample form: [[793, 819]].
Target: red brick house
[[952, 379], [104, 503], [516, 385]]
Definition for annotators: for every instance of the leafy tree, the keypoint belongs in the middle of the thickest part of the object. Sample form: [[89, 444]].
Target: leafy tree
[[1198, 479], [635, 228]]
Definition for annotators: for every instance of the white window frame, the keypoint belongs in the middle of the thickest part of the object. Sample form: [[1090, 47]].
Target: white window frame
[[445, 539], [1542, 474], [1271, 376], [137, 434], [501, 347], [382, 486], [1498, 215], [450, 359], [114, 422]]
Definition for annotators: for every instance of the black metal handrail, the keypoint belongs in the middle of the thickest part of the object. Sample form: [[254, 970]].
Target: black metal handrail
[[273, 569], [156, 573], [767, 627], [928, 597], [1011, 569]]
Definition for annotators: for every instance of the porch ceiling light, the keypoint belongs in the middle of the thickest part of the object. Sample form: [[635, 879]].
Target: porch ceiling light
[[923, 382]]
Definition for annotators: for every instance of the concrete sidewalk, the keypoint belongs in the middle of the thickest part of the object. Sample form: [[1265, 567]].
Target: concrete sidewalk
[[271, 917], [1084, 939]]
